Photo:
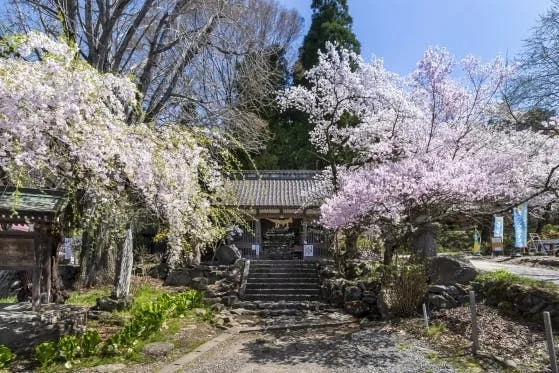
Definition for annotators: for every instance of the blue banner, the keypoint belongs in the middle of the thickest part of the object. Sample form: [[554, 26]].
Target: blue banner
[[520, 219], [498, 226]]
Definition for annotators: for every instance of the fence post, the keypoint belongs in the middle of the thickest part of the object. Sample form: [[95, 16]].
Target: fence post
[[550, 342], [475, 342], [425, 316]]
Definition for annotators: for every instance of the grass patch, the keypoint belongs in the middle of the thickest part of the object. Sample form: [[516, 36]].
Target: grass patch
[[8, 300], [435, 330], [504, 276], [156, 315], [88, 298]]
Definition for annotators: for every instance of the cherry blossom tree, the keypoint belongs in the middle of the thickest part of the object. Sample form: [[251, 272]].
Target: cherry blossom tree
[[65, 125], [425, 148]]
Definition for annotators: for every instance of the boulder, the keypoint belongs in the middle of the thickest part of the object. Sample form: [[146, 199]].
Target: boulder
[[369, 297], [437, 289], [446, 270], [229, 300], [352, 293], [112, 304], [337, 295], [227, 254], [356, 308], [179, 277]]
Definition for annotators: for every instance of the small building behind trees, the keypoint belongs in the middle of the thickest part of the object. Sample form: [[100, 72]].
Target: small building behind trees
[[281, 215], [28, 242]]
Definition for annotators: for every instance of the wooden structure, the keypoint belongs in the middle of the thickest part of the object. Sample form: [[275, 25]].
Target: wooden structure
[[26, 216], [281, 213]]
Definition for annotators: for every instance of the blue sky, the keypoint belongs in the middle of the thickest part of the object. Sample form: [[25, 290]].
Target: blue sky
[[399, 31]]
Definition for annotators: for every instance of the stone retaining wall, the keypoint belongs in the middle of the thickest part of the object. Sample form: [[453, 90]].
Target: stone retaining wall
[[217, 282], [521, 300], [357, 297], [21, 329]]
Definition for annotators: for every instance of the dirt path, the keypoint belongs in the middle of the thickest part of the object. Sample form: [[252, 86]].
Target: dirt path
[[537, 273], [346, 349]]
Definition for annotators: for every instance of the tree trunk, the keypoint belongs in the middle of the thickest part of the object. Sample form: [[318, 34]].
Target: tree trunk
[[351, 237], [52, 284], [97, 259], [424, 241], [124, 266], [389, 250], [194, 256]]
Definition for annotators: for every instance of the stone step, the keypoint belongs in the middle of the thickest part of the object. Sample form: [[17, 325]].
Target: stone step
[[274, 277], [278, 297], [284, 305], [289, 271], [283, 285], [282, 291], [282, 261], [284, 265]]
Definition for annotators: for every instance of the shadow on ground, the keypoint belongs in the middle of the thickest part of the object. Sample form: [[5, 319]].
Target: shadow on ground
[[328, 348]]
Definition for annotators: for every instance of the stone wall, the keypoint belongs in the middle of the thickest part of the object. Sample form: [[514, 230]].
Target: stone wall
[[217, 282], [356, 296], [520, 300], [360, 292], [21, 329]]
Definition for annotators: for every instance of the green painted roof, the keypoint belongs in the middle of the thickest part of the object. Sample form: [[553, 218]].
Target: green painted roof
[[31, 201]]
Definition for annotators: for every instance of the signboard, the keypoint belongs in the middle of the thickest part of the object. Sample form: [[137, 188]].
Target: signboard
[[520, 219], [256, 249], [496, 244], [498, 227], [17, 252], [308, 250]]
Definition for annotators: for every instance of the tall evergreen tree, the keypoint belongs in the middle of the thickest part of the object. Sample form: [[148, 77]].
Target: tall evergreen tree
[[330, 22], [289, 146]]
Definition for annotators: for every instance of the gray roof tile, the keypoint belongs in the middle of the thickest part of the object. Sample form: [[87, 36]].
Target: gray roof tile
[[274, 188]]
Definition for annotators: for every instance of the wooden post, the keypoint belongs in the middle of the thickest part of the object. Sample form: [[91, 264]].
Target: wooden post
[[36, 280], [425, 316], [258, 235], [550, 342], [475, 342], [48, 275]]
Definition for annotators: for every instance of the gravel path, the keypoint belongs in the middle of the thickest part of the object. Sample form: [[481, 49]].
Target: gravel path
[[346, 349], [541, 274]]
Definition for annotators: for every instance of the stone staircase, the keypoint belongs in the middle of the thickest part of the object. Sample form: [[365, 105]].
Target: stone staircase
[[282, 280]]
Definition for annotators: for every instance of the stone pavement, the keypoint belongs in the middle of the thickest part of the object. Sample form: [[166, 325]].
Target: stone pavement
[[308, 341]]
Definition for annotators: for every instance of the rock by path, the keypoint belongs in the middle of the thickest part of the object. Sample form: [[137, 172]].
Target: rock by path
[[339, 349]]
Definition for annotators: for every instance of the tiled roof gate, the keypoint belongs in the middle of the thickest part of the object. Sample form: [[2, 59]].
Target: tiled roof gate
[[284, 207], [276, 192]]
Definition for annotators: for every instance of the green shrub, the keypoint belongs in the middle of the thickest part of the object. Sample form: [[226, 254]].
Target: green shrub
[[406, 286], [68, 347], [149, 317], [46, 353], [89, 342], [6, 355]]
